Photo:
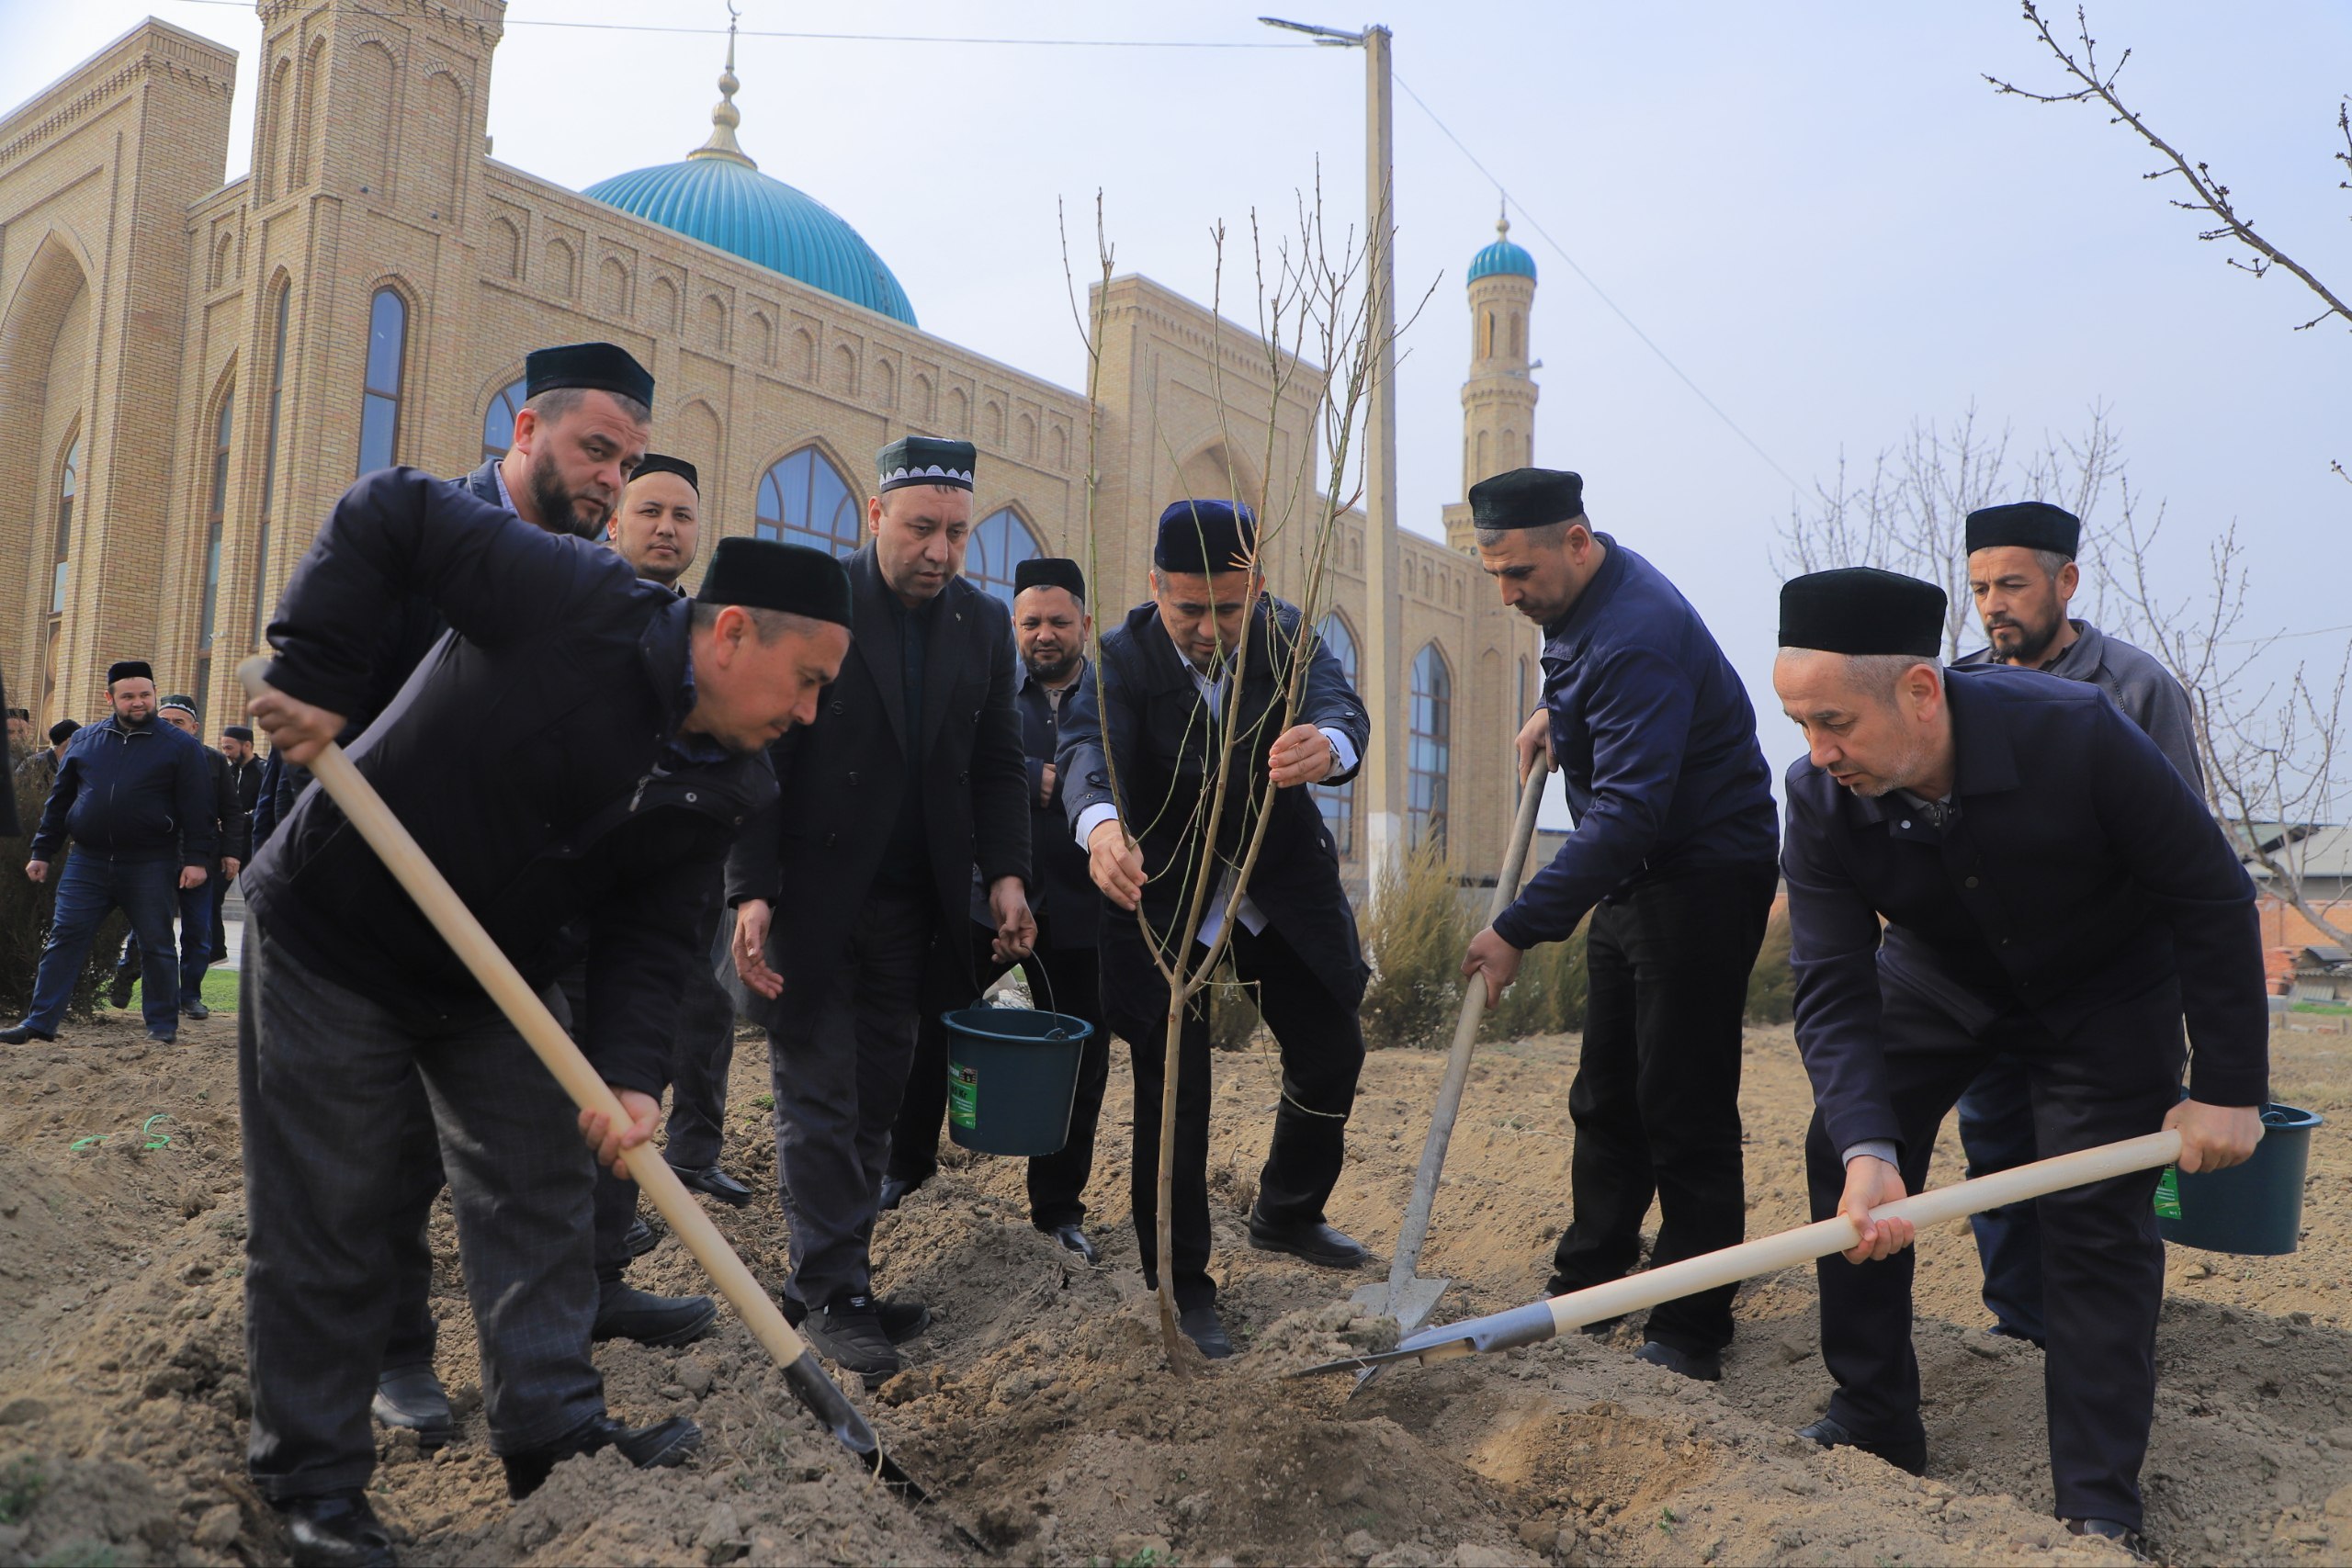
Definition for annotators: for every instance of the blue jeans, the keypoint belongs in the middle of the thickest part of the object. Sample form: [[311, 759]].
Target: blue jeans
[[1997, 1134], [198, 909], [91, 889]]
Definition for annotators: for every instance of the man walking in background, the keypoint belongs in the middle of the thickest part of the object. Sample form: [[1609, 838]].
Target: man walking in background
[[41, 766], [137, 798]]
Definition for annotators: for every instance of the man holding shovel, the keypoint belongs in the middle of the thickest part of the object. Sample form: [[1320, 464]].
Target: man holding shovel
[[616, 726], [1655, 742], [1991, 862]]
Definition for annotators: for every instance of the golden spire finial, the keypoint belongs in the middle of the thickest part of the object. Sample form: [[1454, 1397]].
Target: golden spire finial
[[1502, 224], [724, 116]]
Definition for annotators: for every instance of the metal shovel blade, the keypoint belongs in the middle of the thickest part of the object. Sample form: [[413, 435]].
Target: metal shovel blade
[[1410, 1304]]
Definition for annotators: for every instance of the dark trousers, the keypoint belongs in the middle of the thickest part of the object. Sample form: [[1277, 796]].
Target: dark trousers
[[2114, 1078], [1064, 980], [198, 908], [701, 1053], [92, 885], [1321, 1044], [1656, 1098], [1997, 1134], [839, 1071], [318, 1068], [417, 1180]]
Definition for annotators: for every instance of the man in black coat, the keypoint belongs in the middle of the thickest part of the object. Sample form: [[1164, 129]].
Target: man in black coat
[[910, 777], [1050, 629], [244, 782], [1166, 706], [1986, 865], [232, 833], [615, 730]]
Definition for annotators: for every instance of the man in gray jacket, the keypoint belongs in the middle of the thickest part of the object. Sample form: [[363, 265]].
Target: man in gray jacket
[[2021, 574]]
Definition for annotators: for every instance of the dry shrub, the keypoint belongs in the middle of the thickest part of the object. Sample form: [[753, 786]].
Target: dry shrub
[[1771, 987], [1549, 995], [24, 919], [1414, 936], [1233, 1010]]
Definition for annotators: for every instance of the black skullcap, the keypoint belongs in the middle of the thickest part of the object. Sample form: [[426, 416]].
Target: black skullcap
[[598, 366], [656, 463], [64, 730], [239, 732], [1205, 537], [2028, 525], [924, 460], [130, 670], [1526, 498], [1863, 610], [768, 574], [185, 705], [1050, 571], [25, 714]]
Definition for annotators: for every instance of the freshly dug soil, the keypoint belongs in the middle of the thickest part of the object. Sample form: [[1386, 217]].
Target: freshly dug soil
[[1040, 1409]]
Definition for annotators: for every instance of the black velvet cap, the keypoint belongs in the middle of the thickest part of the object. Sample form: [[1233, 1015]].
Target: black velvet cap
[[656, 463], [598, 366], [1526, 498], [239, 732], [2028, 525], [185, 705], [924, 460], [768, 574], [1206, 537], [64, 730], [1863, 610], [1050, 571], [130, 670], [25, 714]]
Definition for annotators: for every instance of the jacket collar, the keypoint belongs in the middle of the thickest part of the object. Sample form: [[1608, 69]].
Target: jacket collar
[[1171, 670], [1023, 679], [483, 483], [1984, 761], [1560, 637]]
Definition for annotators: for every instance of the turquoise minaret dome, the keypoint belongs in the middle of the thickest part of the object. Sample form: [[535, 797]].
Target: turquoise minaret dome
[[1502, 257]]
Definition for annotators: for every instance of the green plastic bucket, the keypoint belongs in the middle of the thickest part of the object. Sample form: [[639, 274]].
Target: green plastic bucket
[[2255, 1209], [1012, 1079]]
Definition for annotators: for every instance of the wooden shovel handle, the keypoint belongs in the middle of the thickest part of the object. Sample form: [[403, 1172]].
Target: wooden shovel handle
[[367, 811]]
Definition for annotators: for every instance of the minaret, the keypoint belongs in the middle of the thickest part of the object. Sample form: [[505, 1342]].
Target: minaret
[[1499, 399]]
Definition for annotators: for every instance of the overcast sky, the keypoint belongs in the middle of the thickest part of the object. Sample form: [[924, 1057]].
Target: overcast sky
[[1819, 211]]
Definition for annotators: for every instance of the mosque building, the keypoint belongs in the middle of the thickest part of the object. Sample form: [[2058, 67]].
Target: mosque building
[[191, 371]]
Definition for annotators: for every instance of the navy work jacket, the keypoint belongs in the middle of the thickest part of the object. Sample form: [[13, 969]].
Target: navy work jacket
[[1655, 742], [142, 793], [2080, 871]]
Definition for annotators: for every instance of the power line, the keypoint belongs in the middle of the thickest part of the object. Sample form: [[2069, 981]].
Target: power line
[[1599, 292]]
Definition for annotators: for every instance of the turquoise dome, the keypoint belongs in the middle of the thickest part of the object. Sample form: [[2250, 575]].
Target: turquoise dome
[[734, 207], [1501, 258]]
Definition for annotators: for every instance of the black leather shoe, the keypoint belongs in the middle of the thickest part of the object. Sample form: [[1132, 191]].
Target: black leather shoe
[[1706, 1366], [663, 1444], [713, 1182], [2116, 1530], [168, 1037], [1907, 1454], [902, 1317], [194, 1008], [338, 1531], [894, 1193], [2003, 1331], [1203, 1327], [119, 989], [638, 1240], [1317, 1242], [624, 1313], [22, 1033], [412, 1397], [1075, 1239], [848, 1332]]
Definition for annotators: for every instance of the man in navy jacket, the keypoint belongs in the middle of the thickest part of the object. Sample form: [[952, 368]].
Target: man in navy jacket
[[1656, 743], [136, 797], [1997, 864], [1162, 713]]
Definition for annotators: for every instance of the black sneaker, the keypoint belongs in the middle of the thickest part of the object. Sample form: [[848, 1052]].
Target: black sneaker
[[338, 1531], [625, 1313], [1907, 1454], [657, 1447], [19, 1034], [902, 1317], [194, 1008], [165, 1037], [847, 1331]]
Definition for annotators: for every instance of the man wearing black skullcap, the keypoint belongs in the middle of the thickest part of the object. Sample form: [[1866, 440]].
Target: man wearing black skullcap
[[2021, 574], [596, 808], [658, 526], [1167, 708], [1654, 740], [135, 796], [1989, 862], [232, 830], [41, 766], [1050, 628], [910, 777]]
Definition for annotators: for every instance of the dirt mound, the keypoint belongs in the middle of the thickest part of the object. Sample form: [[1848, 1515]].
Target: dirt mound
[[1040, 1409]]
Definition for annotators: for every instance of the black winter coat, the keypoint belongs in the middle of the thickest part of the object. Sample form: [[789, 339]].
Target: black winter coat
[[136, 794], [842, 778], [565, 684]]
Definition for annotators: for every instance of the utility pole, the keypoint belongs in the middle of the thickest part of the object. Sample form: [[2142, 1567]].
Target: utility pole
[[1381, 788]]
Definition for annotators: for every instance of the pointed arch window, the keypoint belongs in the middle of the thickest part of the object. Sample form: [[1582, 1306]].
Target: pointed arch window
[[498, 420], [1338, 802], [1430, 756], [69, 487], [804, 500], [1000, 544], [216, 519], [379, 404], [270, 461]]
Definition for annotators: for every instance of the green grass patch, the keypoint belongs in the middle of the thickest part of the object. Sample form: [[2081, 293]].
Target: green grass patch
[[220, 991]]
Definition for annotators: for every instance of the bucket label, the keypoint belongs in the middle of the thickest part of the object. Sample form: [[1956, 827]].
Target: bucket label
[[2168, 1193], [963, 1095]]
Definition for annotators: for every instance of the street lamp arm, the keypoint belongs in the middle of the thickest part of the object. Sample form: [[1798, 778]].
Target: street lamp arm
[[1320, 34]]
